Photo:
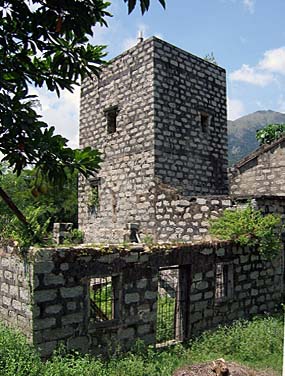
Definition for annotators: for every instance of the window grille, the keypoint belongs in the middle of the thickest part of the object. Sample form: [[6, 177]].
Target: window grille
[[103, 299], [222, 281]]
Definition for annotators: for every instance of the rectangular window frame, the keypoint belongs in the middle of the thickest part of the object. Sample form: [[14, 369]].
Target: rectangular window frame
[[116, 302], [223, 282], [94, 195], [205, 121], [111, 114]]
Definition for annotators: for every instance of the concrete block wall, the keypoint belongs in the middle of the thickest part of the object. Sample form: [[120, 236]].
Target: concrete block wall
[[15, 290], [261, 172]]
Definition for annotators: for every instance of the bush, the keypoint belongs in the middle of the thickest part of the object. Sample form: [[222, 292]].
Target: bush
[[250, 227], [270, 133], [17, 357]]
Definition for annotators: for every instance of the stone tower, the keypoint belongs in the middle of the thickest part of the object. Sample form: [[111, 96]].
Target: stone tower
[[158, 115]]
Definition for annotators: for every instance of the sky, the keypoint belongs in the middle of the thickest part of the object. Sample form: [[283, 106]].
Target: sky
[[247, 38]]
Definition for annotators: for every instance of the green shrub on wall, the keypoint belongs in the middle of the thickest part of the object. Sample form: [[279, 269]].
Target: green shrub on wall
[[250, 227], [270, 133]]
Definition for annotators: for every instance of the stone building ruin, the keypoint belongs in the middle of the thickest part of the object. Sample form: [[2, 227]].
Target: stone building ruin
[[158, 115]]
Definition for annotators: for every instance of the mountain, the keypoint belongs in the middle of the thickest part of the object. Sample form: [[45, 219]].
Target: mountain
[[241, 132]]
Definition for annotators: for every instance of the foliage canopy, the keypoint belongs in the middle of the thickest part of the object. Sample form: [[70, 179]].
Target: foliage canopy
[[42, 210], [45, 43]]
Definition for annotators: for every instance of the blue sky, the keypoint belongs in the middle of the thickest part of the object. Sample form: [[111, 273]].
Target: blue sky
[[247, 38]]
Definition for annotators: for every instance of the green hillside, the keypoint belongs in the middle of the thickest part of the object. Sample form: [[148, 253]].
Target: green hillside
[[242, 131]]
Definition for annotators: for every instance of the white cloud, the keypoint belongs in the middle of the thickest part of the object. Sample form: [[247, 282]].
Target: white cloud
[[249, 5], [252, 75], [236, 108], [274, 61], [265, 71], [62, 113]]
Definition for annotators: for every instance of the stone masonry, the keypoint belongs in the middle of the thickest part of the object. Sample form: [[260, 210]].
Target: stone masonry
[[15, 291], [261, 173], [51, 302], [169, 133]]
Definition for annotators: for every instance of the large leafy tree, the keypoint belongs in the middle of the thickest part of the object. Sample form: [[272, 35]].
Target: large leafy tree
[[45, 43]]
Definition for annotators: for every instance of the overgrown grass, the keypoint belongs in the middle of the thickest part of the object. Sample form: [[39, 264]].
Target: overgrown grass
[[257, 343]]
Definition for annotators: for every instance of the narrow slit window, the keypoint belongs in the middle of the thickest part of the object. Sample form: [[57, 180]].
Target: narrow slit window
[[93, 198], [111, 116], [103, 299], [224, 281], [221, 281], [205, 119]]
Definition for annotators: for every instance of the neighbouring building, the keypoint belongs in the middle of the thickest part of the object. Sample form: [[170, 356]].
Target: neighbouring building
[[158, 115], [261, 173]]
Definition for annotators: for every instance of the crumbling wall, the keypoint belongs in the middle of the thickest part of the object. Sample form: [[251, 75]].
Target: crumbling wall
[[52, 304]]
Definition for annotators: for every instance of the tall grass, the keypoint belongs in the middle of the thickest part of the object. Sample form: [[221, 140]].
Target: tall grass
[[257, 343]]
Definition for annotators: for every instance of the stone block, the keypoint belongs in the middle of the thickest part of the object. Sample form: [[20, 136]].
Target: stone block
[[127, 333], [43, 267], [73, 318], [40, 324], [47, 348], [53, 309], [71, 292], [16, 305], [44, 296], [78, 343], [132, 298], [53, 279], [24, 295], [151, 295]]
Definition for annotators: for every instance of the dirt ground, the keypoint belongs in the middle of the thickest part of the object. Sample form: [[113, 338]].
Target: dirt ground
[[205, 369]]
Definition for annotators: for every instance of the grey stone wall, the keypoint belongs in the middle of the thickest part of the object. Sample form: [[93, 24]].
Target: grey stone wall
[[188, 157], [182, 218], [260, 173], [60, 298], [15, 290], [127, 170], [161, 92]]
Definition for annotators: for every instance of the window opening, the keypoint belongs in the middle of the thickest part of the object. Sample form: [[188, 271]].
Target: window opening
[[111, 115], [221, 281], [169, 306], [205, 121], [103, 299], [93, 198], [224, 281]]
